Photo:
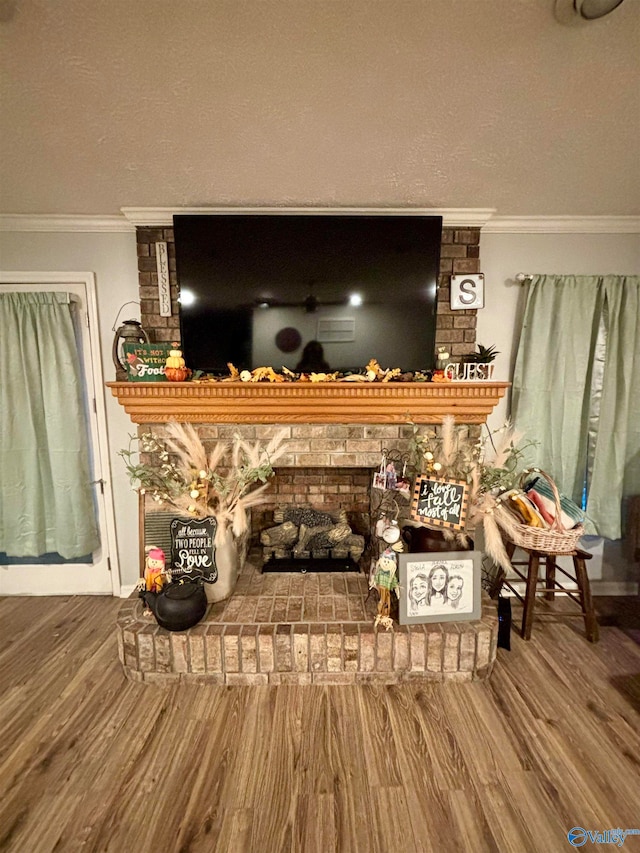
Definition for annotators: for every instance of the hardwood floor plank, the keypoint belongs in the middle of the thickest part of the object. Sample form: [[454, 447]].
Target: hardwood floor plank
[[571, 751], [381, 749], [315, 829], [315, 768], [449, 772], [393, 820], [55, 652], [23, 619], [244, 757], [235, 833], [47, 740], [354, 810], [277, 788], [512, 834], [109, 758], [469, 823], [429, 813], [484, 762], [536, 805], [201, 784], [168, 770]]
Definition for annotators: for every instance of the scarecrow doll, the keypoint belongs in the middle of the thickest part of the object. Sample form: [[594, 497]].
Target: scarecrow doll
[[386, 581]]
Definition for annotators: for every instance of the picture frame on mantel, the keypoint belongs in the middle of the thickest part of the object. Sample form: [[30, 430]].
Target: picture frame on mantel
[[440, 586]]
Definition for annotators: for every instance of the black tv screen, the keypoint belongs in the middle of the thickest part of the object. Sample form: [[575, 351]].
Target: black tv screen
[[255, 289]]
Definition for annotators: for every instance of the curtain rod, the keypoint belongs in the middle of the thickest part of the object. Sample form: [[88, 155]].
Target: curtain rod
[[523, 276]]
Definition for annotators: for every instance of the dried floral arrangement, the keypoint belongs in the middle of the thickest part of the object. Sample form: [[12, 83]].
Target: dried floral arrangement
[[490, 466], [179, 472]]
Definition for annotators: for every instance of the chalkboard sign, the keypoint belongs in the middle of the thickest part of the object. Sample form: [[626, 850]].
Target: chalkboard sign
[[193, 549], [440, 503]]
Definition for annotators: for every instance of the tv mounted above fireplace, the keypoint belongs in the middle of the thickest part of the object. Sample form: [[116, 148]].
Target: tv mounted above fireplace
[[256, 288]]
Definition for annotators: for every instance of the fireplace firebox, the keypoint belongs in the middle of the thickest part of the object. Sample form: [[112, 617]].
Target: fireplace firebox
[[307, 539]]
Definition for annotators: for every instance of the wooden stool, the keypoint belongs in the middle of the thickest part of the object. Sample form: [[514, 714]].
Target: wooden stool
[[581, 596]]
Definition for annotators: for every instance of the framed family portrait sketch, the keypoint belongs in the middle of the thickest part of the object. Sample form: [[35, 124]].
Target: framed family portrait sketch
[[440, 586]]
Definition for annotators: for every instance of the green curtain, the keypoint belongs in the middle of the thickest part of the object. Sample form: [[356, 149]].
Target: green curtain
[[616, 461], [576, 389], [46, 498]]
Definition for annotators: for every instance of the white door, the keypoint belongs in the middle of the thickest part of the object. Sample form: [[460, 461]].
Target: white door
[[97, 574]]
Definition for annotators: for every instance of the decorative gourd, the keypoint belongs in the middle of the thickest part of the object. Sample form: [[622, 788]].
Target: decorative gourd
[[175, 369]]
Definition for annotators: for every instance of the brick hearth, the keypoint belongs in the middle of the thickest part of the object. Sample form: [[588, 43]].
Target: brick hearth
[[302, 629], [290, 628]]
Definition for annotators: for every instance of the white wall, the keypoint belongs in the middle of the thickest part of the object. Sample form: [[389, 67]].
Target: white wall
[[112, 257], [503, 256]]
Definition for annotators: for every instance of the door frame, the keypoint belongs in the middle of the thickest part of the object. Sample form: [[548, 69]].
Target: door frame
[[101, 448]]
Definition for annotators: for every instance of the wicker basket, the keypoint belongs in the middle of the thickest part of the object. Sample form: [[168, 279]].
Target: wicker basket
[[554, 540]]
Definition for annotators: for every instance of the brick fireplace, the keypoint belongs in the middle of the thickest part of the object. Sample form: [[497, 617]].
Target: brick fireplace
[[286, 628], [313, 628]]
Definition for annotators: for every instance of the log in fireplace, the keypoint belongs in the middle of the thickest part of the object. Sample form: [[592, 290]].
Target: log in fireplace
[[306, 539]]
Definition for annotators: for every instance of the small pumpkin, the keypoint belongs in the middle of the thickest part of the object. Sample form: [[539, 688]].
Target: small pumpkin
[[175, 369]]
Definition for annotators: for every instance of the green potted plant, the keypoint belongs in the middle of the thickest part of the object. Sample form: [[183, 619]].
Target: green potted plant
[[483, 355]]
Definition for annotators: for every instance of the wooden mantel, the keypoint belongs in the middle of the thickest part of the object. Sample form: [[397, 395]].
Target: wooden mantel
[[301, 402]]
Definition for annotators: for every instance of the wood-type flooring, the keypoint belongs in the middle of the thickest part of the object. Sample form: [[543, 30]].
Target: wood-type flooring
[[92, 762]]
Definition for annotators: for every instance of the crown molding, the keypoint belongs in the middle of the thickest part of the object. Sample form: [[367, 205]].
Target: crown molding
[[162, 217], [452, 217], [563, 225], [61, 223]]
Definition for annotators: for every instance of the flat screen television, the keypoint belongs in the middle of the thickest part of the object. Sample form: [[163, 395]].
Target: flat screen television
[[256, 288]]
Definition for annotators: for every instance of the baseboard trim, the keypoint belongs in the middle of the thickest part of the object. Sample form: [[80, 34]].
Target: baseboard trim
[[608, 588], [614, 588]]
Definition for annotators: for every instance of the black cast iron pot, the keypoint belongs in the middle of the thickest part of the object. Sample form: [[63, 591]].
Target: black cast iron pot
[[178, 605]]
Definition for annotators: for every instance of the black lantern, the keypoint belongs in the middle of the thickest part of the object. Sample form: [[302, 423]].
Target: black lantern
[[130, 332]]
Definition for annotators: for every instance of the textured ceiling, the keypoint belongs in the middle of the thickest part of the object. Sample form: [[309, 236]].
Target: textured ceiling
[[430, 103]]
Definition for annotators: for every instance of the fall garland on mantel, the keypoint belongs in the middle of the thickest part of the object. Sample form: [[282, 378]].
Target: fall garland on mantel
[[372, 373]]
